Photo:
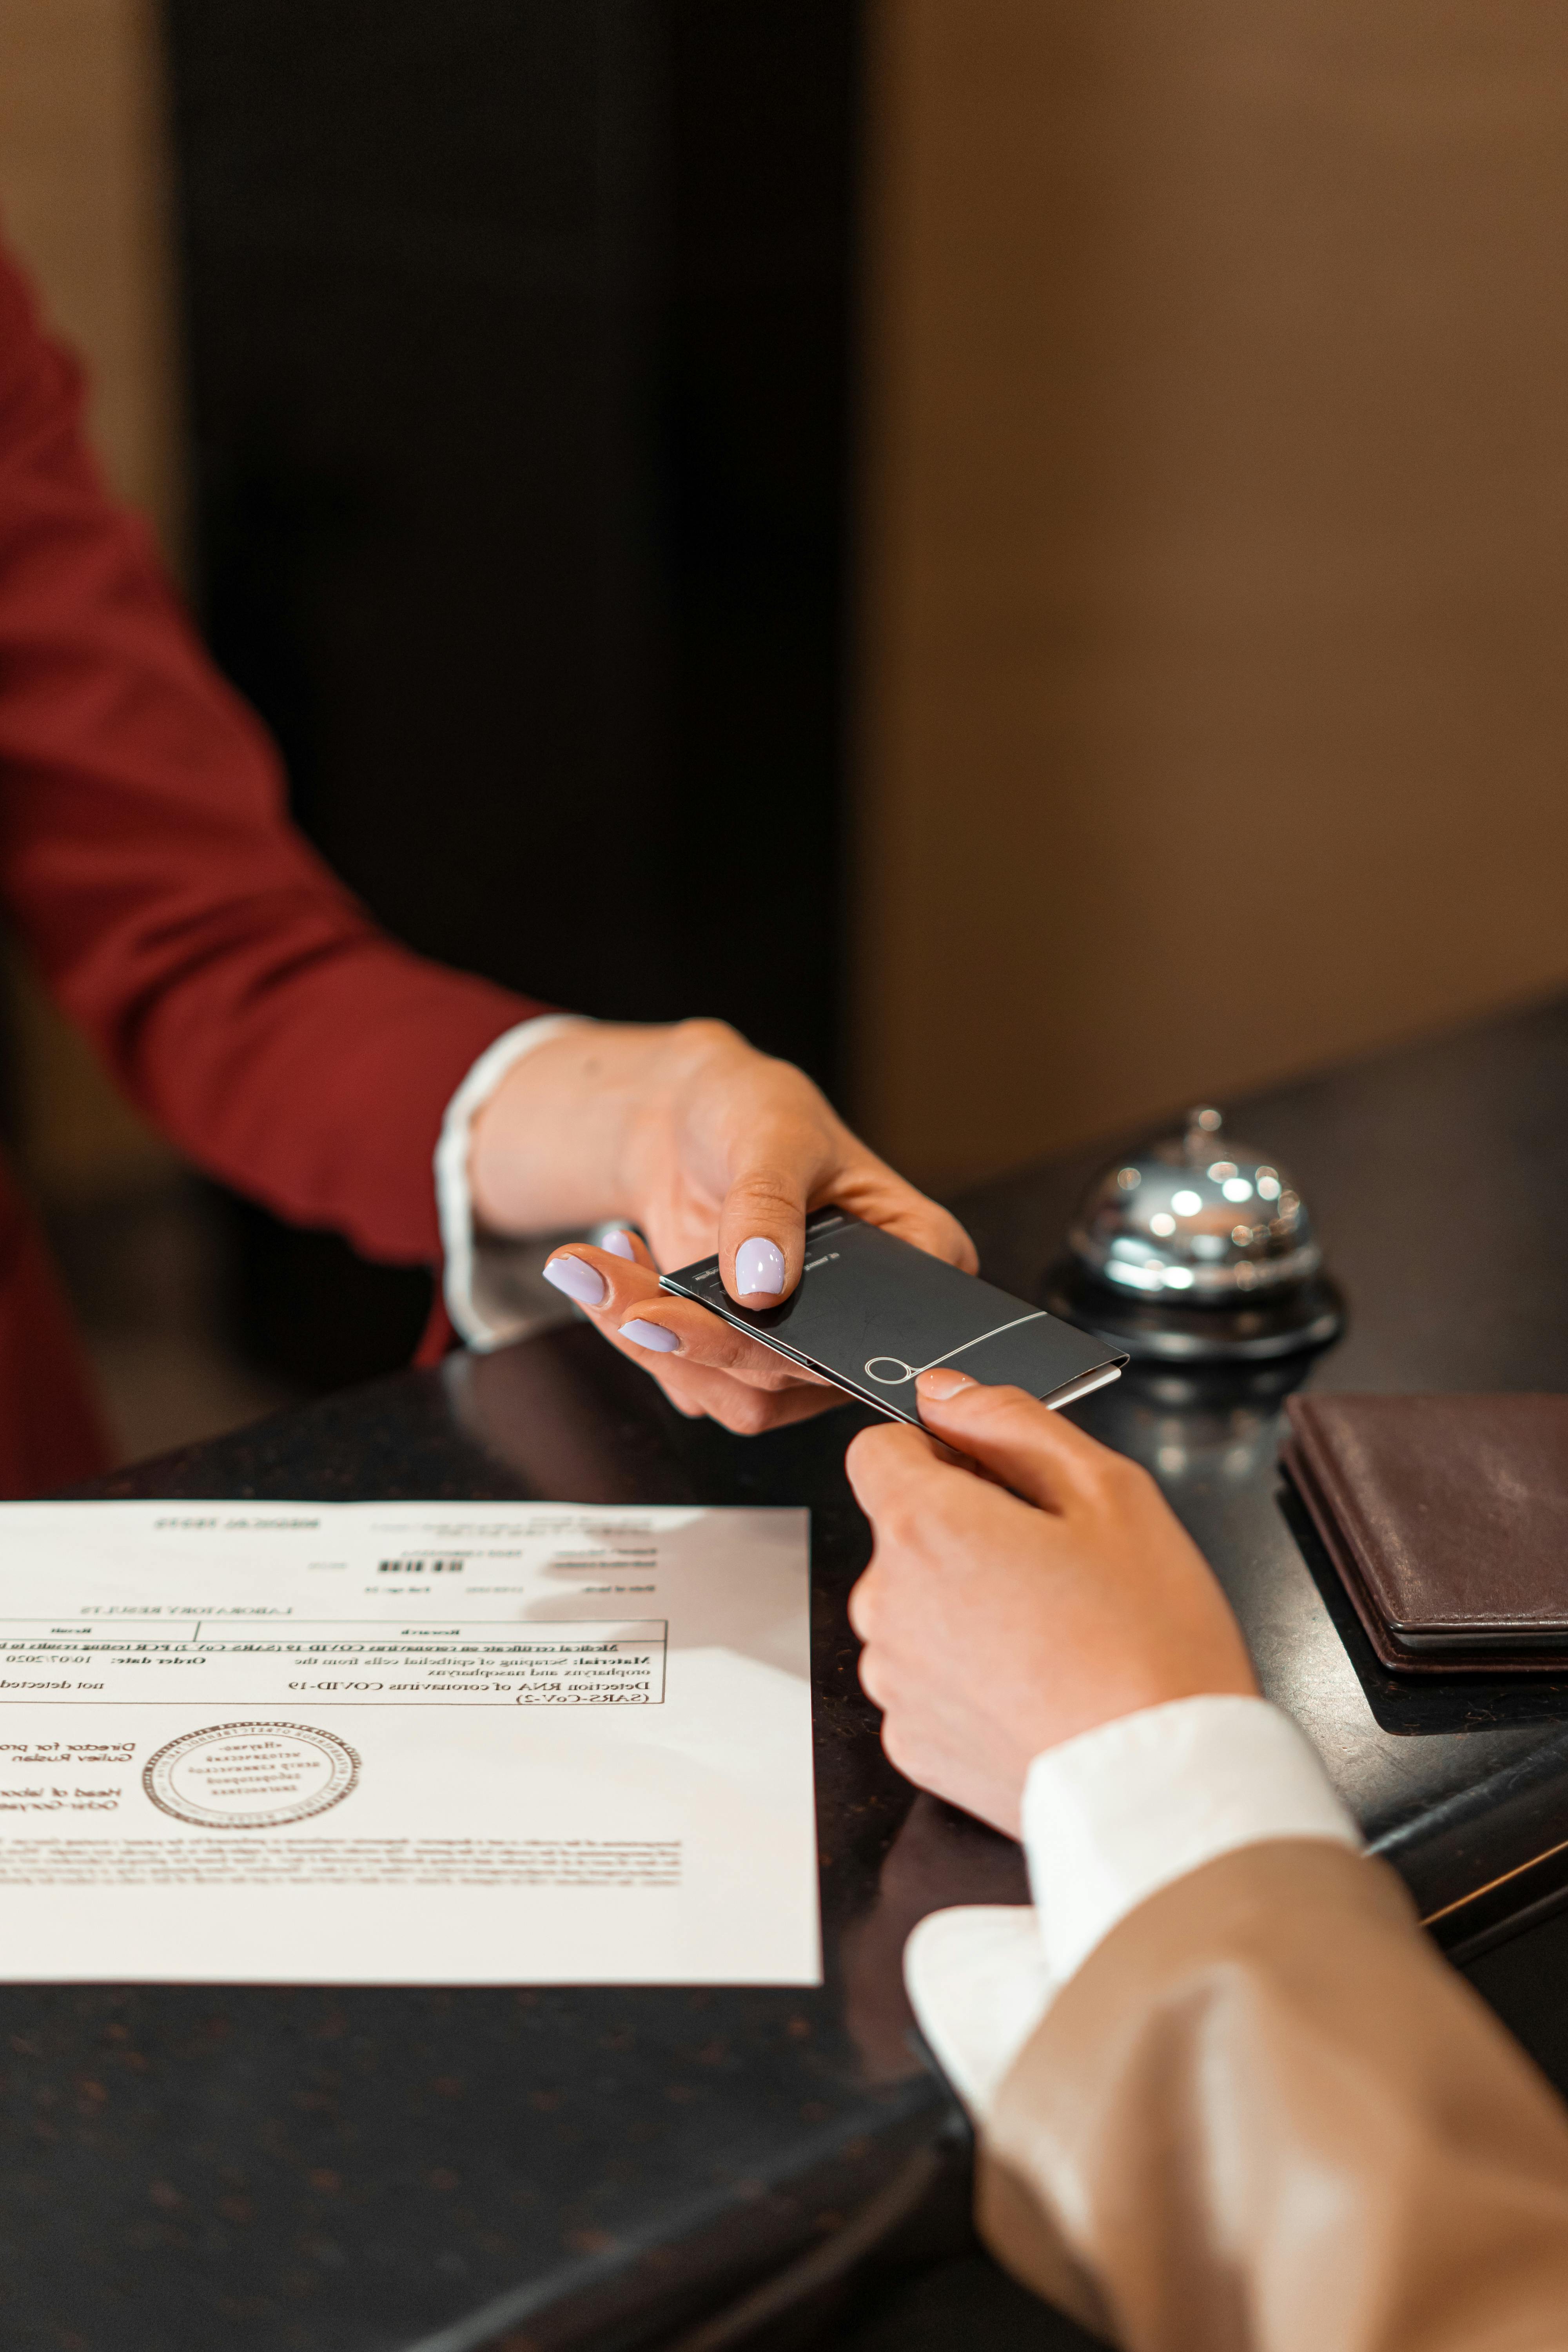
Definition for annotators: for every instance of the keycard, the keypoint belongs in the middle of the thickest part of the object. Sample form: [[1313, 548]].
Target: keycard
[[871, 1313]]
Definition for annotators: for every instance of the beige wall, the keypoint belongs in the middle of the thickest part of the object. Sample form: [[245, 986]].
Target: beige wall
[[83, 200], [1216, 700], [1216, 707]]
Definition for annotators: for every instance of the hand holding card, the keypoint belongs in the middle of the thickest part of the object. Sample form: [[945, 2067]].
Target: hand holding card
[[687, 1141], [871, 1313]]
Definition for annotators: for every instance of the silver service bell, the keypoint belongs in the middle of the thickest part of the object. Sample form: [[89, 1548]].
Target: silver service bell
[[1197, 1247]]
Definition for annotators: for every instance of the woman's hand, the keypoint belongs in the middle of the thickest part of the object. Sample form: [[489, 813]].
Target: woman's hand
[[704, 1144], [998, 1622]]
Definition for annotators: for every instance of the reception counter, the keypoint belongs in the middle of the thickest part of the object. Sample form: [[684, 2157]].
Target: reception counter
[[295, 2170]]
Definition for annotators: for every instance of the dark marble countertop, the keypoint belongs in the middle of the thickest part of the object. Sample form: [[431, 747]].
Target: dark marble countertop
[[1437, 1176], [421, 2171]]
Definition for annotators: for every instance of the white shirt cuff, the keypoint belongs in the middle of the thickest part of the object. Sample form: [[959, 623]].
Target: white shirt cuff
[[454, 1206], [1115, 1814], [1108, 1819], [978, 1984]]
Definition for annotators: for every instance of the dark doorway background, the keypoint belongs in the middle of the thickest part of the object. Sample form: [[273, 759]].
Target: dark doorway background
[[518, 338]]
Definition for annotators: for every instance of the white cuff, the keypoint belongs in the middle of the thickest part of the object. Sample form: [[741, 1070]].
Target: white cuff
[[978, 1985], [453, 1204], [1115, 1814], [1108, 1819]]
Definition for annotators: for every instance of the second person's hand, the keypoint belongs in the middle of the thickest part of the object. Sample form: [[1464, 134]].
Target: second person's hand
[[1005, 1612]]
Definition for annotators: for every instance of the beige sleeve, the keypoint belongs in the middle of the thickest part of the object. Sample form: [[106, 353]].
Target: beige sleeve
[[1267, 2117]]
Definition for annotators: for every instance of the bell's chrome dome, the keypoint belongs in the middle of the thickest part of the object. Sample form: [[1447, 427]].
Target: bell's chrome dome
[[1196, 1218]]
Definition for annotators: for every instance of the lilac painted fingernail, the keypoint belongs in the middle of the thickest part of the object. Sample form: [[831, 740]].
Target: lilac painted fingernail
[[619, 1245], [759, 1265], [650, 1335], [577, 1279]]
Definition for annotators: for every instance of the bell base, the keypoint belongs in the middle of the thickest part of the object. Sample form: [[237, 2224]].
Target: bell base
[[1309, 1316]]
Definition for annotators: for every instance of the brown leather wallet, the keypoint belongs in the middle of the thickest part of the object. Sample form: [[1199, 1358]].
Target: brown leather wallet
[[1447, 1518]]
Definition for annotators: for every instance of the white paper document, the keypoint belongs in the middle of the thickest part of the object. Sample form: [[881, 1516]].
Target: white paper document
[[406, 1743]]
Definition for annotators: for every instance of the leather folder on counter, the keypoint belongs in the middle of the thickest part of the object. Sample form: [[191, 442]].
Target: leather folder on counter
[[1447, 1518]]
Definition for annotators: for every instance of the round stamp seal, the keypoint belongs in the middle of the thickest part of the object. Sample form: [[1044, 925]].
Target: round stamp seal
[[250, 1776]]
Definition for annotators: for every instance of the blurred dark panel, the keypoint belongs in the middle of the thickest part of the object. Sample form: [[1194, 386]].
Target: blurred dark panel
[[517, 334]]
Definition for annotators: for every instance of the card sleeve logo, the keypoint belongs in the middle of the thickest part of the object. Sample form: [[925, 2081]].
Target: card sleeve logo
[[902, 1371]]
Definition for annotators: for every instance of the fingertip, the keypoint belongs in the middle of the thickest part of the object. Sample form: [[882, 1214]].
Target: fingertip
[[576, 1279], [967, 1398], [601, 1279], [655, 1337], [759, 1272], [762, 1227]]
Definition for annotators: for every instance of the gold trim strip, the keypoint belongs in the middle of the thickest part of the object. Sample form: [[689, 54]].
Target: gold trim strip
[[1477, 1892]]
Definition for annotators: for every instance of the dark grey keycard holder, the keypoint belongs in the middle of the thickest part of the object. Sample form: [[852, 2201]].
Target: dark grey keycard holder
[[871, 1313]]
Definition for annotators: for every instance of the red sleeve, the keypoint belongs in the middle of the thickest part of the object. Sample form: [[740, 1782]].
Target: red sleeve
[[243, 999]]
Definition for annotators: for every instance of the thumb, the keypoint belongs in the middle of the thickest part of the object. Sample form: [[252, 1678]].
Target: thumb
[[761, 1231], [1017, 1439]]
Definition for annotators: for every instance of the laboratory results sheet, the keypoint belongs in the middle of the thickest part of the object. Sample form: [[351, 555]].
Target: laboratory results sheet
[[406, 1743]]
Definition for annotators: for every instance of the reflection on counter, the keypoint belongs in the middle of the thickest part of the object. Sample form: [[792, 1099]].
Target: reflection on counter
[[1213, 1433], [1215, 1423]]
